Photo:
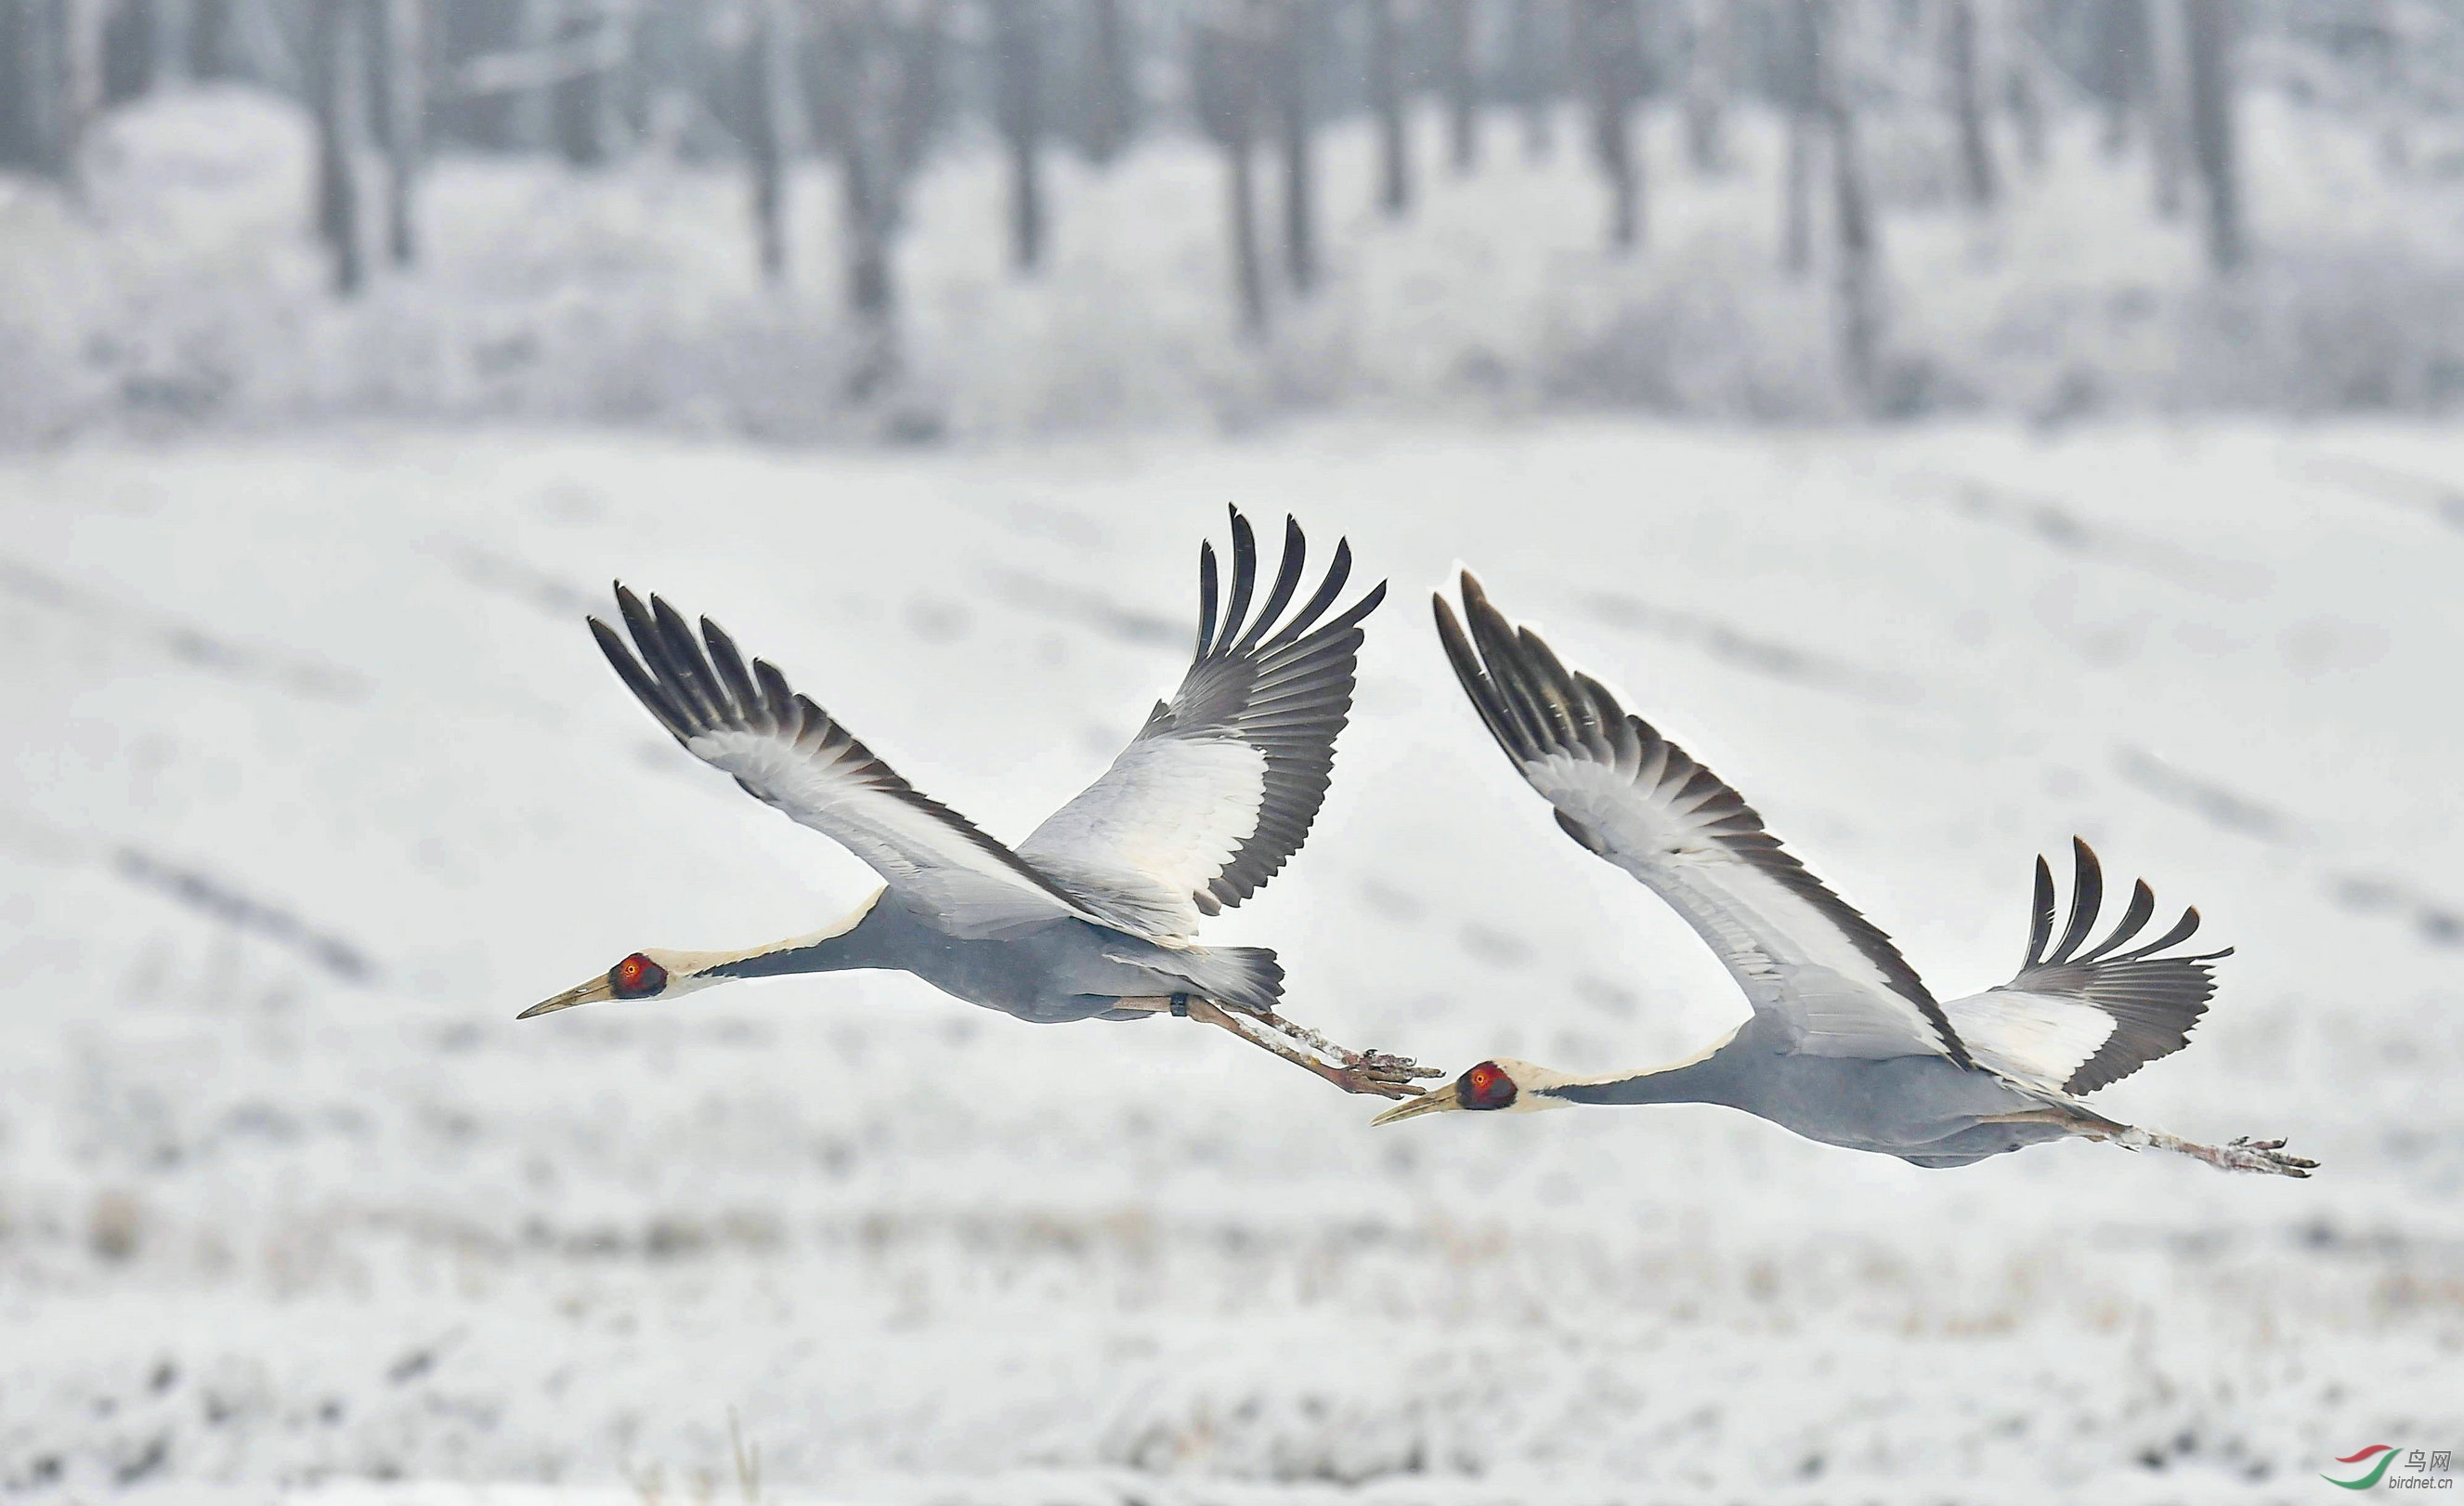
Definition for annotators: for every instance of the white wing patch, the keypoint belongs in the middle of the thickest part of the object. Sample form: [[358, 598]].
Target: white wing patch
[[790, 755], [1219, 787], [2034, 1039], [1788, 957], [968, 886], [1164, 820]]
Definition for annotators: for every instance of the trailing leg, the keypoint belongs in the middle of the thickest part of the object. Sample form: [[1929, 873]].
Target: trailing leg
[[2245, 1154], [1377, 1073]]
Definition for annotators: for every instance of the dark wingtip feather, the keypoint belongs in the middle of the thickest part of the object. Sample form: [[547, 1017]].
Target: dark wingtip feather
[[2040, 913], [2087, 900], [1206, 596]]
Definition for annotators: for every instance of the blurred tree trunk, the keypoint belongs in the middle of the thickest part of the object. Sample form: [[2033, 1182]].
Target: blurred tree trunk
[[1859, 285], [80, 98], [1300, 36], [1976, 177], [1610, 42], [2168, 115], [1529, 62], [1795, 79], [334, 68], [1389, 100], [577, 100], [533, 108], [1018, 52], [1708, 59], [1108, 88], [1457, 74], [2117, 42], [2207, 27], [764, 145], [2023, 95], [210, 47], [28, 82], [132, 34], [401, 93], [1226, 63], [873, 86]]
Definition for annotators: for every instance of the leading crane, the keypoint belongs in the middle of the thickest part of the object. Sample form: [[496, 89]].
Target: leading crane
[[1845, 1044]]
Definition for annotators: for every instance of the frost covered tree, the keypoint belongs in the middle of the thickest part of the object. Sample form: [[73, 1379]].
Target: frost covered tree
[[1709, 40], [1018, 110], [1299, 39], [1451, 23], [760, 69], [2208, 28], [1107, 81], [1609, 41], [1389, 100], [398, 94], [1530, 61], [873, 80], [334, 66], [1977, 182], [1226, 63]]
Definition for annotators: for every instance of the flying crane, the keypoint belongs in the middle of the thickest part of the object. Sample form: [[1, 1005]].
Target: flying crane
[[1094, 915], [1845, 1044]]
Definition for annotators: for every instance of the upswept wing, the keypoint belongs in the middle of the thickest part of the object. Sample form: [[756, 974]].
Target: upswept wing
[[2076, 1021], [1806, 959], [1218, 788], [787, 753]]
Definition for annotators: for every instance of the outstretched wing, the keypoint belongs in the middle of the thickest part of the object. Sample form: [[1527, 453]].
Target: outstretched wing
[[2073, 1022], [1218, 788], [1806, 960], [787, 753]]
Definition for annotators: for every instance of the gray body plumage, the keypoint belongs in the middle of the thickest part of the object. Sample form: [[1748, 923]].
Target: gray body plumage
[[1047, 974], [1925, 1109]]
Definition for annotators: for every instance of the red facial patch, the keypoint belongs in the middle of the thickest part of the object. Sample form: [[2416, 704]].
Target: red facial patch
[[1485, 1086], [636, 977]]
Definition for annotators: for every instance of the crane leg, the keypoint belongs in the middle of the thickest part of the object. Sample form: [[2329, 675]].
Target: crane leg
[[2241, 1155], [1387, 1076]]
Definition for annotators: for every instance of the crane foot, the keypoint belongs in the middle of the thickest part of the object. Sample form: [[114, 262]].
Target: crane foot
[[1378, 1074]]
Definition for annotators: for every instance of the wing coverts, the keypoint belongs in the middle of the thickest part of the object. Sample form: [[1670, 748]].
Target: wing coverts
[[1805, 958], [1220, 786], [787, 753], [2075, 1021]]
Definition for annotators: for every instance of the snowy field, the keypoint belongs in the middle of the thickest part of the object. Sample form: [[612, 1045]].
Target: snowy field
[[318, 780]]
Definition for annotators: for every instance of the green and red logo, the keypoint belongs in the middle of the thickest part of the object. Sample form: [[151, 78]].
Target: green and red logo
[[2385, 1453]]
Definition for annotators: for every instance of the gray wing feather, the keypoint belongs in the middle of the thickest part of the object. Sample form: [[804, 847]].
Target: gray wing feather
[[1220, 786], [2155, 1001], [788, 753], [1690, 837]]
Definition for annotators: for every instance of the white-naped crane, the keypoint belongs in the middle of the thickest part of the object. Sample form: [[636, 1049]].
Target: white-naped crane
[[1844, 1045], [1094, 915]]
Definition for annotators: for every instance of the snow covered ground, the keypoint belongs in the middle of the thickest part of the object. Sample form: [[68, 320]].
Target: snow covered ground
[[318, 780]]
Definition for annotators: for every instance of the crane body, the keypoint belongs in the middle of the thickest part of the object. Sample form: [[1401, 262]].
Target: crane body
[[1093, 915], [1847, 1045]]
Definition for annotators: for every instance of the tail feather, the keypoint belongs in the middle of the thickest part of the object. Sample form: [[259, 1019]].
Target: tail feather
[[1246, 978]]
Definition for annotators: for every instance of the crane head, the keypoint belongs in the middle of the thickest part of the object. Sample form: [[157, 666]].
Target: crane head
[[1497, 1086], [640, 975]]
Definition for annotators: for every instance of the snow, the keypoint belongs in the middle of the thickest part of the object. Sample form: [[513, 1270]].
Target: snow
[[318, 781]]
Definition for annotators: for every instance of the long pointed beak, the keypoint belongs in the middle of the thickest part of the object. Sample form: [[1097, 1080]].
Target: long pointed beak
[[1436, 1101], [591, 992]]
